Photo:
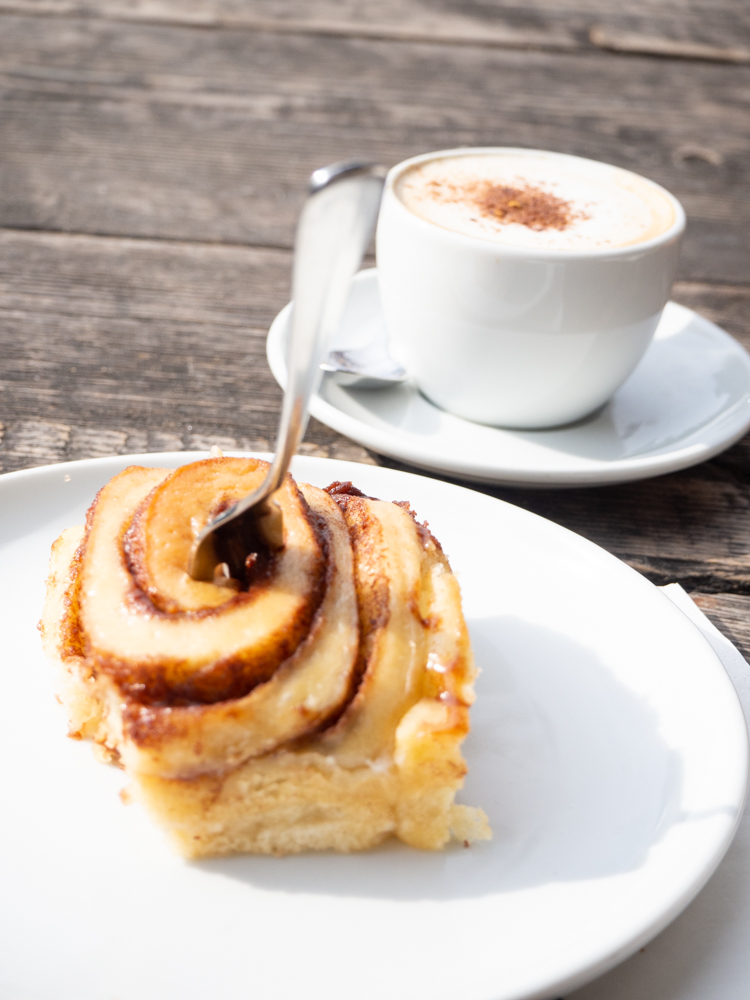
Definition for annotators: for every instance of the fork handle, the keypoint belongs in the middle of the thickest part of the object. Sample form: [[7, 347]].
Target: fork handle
[[334, 228]]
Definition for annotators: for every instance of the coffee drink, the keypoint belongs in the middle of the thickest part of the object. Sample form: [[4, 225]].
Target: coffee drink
[[536, 200], [521, 287]]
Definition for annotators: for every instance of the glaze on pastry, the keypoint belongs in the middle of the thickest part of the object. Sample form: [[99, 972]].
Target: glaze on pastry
[[321, 703]]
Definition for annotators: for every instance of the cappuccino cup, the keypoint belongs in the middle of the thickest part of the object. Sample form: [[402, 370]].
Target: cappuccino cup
[[520, 287]]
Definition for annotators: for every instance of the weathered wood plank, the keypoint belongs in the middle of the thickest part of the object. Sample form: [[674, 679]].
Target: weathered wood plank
[[393, 20], [691, 527], [504, 23], [730, 613], [144, 130], [118, 345], [726, 305], [30, 443]]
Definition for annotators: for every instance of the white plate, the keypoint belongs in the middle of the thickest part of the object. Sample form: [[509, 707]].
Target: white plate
[[688, 399], [609, 750]]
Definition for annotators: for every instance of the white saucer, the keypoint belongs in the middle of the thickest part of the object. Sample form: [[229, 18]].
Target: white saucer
[[608, 748], [688, 400]]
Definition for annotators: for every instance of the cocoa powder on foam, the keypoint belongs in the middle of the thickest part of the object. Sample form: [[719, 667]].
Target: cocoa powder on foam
[[526, 206]]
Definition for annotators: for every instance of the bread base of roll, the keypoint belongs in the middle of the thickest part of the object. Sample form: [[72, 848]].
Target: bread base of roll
[[281, 804], [290, 802]]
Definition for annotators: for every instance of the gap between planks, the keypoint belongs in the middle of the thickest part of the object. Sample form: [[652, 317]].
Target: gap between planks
[[133, 239]]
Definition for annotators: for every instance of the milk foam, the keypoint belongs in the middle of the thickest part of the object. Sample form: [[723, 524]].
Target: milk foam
[[605, 207]]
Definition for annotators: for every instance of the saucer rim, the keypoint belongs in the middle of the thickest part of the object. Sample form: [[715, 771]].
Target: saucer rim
[[720, 433]]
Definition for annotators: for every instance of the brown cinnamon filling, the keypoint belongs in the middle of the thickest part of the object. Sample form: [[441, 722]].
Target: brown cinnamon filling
[[338, 488], [258, 559]]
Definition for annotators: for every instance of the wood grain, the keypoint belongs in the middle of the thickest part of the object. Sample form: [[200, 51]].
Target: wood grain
[[730, 613], [181, 133], [540, 23], [113, 346], [726, 305]]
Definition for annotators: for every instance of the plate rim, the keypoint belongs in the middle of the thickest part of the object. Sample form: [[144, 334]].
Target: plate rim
[[577, 978], [644, 466]]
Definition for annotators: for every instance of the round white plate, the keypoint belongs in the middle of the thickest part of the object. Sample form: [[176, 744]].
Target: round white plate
[[608, 748], [688, 399]]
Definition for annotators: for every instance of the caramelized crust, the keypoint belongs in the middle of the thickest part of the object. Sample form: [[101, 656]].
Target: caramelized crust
[[323, 706]]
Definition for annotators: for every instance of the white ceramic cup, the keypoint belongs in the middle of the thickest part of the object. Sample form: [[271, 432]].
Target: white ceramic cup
[[512, 336]]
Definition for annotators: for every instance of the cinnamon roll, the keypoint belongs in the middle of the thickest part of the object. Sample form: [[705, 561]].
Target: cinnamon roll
[[320, 702]]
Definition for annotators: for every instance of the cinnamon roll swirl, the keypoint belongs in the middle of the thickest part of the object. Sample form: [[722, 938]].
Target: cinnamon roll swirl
[[320, 702]]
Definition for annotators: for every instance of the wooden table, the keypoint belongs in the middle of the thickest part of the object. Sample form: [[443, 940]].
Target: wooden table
[[152, 159]]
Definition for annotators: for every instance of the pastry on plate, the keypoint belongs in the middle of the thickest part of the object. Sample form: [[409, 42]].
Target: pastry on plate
[[318, 703]]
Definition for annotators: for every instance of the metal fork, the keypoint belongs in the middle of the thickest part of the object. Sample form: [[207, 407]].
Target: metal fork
[[334, 229]]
